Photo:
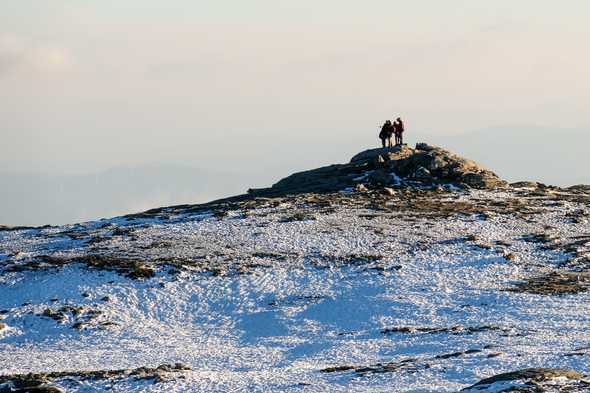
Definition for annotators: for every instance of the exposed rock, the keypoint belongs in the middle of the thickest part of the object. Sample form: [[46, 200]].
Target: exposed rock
[[555, 283], [408, 364], [298, 216], [581, 188], [32, 389], [458, 329], [424, 146], [380, 178], [393, 153], [39, 382], [361, 188], [132, 268], [533, 380], [422, 174], [83, 317], [524, 184], [388, 191], [425, 163]]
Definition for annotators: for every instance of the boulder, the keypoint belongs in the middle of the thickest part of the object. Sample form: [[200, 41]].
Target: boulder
[[387, 153], [381, 177], [424, 146], [383, 167], [389, 191], [361, 188], [422, 174]]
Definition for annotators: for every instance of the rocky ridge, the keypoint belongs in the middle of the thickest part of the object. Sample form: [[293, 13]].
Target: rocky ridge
[[449, 258], [400, 166]]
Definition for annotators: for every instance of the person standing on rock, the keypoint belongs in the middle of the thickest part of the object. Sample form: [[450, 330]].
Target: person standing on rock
[[398, 129], [385, 134]]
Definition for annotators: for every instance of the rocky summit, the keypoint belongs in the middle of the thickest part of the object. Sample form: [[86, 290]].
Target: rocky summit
[[400, 166], [404, 270]]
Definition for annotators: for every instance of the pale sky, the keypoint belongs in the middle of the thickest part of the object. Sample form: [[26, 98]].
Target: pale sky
[[247, 85]]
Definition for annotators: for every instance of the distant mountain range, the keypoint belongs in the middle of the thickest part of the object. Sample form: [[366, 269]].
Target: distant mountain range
[[37, 199], [553, 156]]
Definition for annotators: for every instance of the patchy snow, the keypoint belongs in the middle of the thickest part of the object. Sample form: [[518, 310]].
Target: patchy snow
[[275, 327]]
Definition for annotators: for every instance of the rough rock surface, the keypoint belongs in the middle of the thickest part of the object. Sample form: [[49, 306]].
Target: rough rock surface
[[45, 382], [534, 380], [400, 166]]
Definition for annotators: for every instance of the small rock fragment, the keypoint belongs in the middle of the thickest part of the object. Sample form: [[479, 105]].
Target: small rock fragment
[[361, 188]]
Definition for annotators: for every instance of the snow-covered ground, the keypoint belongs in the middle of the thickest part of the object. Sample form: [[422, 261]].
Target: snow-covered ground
[[349, 300]]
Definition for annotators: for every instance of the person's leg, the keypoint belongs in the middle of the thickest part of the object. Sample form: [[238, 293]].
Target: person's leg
[[383, 142], [401, 139]]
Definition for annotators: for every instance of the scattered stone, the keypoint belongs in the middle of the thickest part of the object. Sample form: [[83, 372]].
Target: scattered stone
[[141, 271], [510, 257], [33, 389], [389, 191], [270, 255], [424, 146], [337, 369], [525, 184], [422, 174], [83, 316], [53, 314], [221, 214], [555, 283], [457, 329], [361, 188], [298, 216], [409, 364]]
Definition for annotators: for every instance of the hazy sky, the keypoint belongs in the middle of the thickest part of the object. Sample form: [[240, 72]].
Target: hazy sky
[[87, 85]]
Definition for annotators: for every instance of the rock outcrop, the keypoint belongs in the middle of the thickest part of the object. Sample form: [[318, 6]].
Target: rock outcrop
[[533, 380], [47, 382], [402, 166]]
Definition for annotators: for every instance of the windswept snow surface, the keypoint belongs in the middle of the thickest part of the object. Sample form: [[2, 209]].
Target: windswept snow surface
[[322, 304]]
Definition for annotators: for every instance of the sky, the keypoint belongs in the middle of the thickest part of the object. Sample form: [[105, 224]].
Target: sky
[[268, 86]]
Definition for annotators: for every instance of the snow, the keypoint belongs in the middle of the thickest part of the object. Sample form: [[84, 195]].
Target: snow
[[276, 327]]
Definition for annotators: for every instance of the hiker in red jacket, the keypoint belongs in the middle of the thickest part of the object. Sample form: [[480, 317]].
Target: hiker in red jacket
[[398, 129]]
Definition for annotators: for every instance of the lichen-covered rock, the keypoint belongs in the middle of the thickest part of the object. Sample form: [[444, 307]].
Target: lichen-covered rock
[[361, 188], [381, 177], [533, 380], [45, 382], [427, 164], [422, 174]]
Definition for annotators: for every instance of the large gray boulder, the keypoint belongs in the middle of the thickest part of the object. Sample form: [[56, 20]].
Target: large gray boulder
[[427, 162], [399, 166]]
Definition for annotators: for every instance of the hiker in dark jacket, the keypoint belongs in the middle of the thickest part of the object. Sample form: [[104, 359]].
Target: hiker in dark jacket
[[385, 134], [398, 126]]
